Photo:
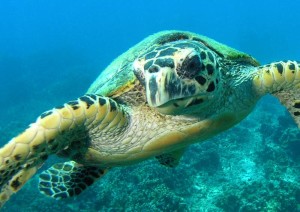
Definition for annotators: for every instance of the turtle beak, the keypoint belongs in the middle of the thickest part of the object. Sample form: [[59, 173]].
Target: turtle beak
[[157, 86], [163, 85]]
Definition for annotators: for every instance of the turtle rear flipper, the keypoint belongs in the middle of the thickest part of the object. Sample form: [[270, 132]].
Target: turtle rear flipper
[[54, 131], [171, 159], [291, 100], [68, 179], [282, 80]]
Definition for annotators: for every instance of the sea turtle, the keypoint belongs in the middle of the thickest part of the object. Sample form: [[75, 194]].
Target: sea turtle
[[171, 90]]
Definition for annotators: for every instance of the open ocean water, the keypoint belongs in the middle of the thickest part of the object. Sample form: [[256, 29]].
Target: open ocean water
[[51, 51]]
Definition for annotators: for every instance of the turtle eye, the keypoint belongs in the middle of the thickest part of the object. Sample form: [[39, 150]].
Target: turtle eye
[[153, 69], [191, 67], [194, 63]]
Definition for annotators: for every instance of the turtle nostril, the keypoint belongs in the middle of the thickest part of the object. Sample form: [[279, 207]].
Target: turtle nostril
[[191, 66], [153, 69]]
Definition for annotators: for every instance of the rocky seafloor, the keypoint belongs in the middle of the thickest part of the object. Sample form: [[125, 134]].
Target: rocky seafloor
[[251, 167]]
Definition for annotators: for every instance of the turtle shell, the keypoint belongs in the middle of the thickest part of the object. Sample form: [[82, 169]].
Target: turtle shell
[[119, 77]]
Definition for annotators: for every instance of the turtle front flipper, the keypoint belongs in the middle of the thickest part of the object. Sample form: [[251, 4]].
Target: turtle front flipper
[[55, 131], [68, 179], [281, 79]]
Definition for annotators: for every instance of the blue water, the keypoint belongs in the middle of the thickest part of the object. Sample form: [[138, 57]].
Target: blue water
[[51, 51]]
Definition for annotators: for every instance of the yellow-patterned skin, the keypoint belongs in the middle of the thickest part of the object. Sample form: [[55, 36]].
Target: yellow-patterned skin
[[277, 76], [53, 132], [169, 91], [281, 79]]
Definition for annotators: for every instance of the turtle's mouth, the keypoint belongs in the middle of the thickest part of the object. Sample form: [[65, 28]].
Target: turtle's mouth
[[177, 106]]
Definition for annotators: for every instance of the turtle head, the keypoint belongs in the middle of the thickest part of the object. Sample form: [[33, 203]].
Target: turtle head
[[180, 77]]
